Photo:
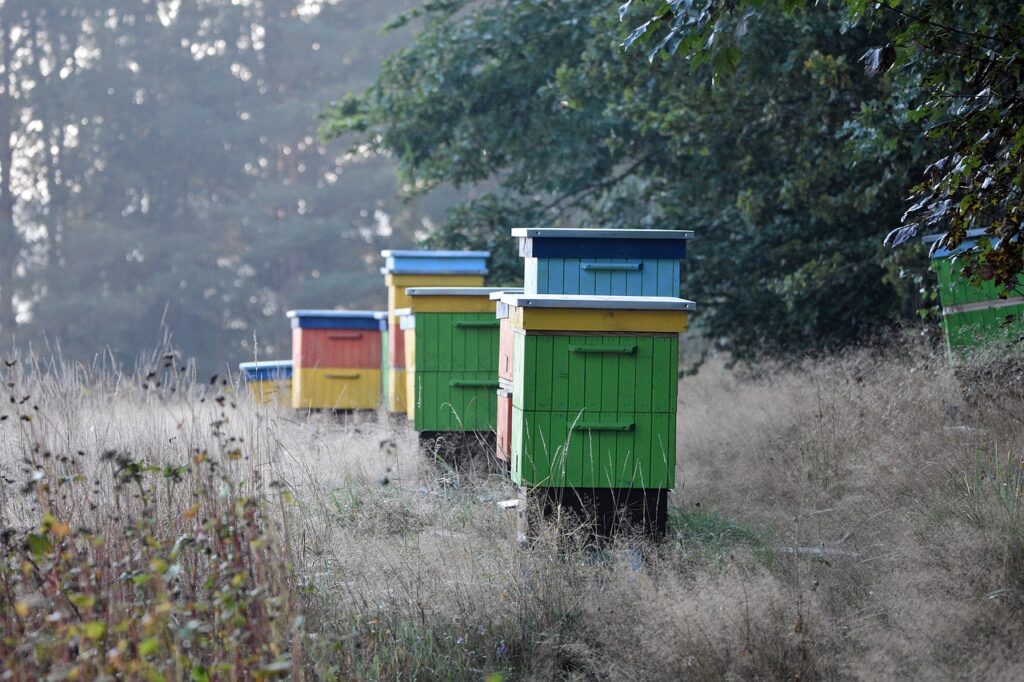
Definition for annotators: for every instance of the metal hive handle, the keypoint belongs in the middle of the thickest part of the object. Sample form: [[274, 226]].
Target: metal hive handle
[[613, 266]]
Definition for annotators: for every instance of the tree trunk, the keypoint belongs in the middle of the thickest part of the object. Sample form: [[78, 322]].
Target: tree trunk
[[10, 240]]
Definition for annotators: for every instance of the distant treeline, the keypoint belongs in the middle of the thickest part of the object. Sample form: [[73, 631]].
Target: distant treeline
[[159, 162]]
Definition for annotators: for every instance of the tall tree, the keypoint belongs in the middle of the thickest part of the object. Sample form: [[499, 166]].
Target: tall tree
[[957, 74], [536, 108]]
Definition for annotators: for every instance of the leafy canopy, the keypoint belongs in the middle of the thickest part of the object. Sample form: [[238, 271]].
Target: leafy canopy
[[787, 170], [956, 67]]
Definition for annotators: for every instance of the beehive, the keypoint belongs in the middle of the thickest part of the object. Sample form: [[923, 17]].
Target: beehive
[[336, 358], [452, 358], [973, 318], [503, 429], [594, 397], [417, 268], [602, 262], [382, 319], [268, 381]]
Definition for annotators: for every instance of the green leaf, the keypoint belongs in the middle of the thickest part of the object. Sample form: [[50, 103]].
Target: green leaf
[[149, 647], [38, 545], [94, 629]]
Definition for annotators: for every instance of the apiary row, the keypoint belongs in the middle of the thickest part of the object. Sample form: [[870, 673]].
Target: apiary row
[[575, 375]]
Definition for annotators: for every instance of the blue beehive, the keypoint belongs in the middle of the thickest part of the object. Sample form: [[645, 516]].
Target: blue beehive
[[602, 262], [268, 380]]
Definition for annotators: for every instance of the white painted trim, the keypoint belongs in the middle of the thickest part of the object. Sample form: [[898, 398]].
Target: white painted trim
[[983, 305]]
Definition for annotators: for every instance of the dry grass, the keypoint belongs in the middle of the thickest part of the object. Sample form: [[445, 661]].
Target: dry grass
[[850, 518]]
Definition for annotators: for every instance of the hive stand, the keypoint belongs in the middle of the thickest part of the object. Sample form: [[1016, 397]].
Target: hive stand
[[594, 404], [451, 346], [336, 358], [268, 381], [974, 319], [419, 268]]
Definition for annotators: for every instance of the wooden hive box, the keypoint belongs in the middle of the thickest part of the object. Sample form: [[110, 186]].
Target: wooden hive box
[[503, 429], [602, 262], [594, 397], [419, 268], [336, 358], [268, 381], [452, 350], [973, 318]]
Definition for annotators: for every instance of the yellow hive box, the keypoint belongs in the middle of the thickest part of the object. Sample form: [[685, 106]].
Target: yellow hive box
[[336, 389], [266, 392], [397, 285], [596, 320]]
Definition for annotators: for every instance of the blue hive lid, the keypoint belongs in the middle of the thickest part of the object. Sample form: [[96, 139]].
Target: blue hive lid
[[426, 262], [266, 370], [422, 253], [969, 243], [334, 319], [598, 302], [613, 245], [566, 233]]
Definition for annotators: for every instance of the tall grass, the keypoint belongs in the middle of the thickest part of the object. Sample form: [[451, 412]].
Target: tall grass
[[854, 517]]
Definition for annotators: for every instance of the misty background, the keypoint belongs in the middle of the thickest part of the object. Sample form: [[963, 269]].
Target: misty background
[[166, 170]]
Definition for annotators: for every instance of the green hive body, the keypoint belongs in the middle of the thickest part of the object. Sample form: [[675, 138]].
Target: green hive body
[[974, 318], [456, 371], [595, 411]]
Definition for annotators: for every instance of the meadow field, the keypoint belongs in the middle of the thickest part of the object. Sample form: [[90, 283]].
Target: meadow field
[[854, 517]]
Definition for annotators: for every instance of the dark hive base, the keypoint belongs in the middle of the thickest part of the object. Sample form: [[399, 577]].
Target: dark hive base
[[460, 449], [603, 511]]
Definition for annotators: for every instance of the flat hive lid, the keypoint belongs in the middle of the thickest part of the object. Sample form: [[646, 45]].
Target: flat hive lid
[[425, 262], [421, 253], [266, 370], [338, 314], [566, 233], [335, 319], [496, 295], [579, 302], [451, 299], [969, 242], [454, 291]]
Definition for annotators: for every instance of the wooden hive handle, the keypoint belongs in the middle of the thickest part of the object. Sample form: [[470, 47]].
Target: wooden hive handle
[[476, 324], [619, 350], [345, 336], [473, 383], [355, 375], [606, 426]]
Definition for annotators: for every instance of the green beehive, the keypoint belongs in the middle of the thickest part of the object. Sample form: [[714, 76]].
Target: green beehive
[[595, 391], [974, 319], [451, 348]]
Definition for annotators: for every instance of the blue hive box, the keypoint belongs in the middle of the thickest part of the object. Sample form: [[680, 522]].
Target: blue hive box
[[602, 262]]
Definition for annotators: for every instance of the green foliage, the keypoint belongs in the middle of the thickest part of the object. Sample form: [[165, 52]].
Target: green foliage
[[191, 581], [537, 110], [956, 78]]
